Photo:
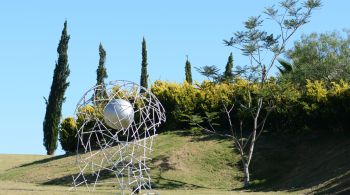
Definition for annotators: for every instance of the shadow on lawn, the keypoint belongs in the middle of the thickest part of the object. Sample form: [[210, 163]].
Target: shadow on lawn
[[171, 184], [46, 160], [68, 179], [197, 136], [160, 164]]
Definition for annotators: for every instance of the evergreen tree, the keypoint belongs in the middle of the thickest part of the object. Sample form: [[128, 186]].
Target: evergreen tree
[[101, 73], [56, 97], [228, 75], [188, 71], [101, 70], [144, 74]]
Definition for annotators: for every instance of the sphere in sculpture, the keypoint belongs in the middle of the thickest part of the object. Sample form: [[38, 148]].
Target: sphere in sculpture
[[118, 114]]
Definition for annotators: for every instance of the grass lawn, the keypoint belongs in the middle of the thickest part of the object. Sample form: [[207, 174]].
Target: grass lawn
[[10, 168], [12, 188], [187, 164], [179, 162]]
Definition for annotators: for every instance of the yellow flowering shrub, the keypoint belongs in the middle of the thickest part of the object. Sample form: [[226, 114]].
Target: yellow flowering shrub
[[316, 90], [68, 130]]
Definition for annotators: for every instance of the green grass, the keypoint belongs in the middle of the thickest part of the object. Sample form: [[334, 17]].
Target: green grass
[[17, 188], [187, 164], [179, 162]]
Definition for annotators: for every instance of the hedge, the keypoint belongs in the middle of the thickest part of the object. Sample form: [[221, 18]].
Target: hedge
[[316, 107]]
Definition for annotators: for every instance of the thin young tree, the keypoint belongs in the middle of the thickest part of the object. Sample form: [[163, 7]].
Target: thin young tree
[[188, 72], [228, 74], [256, 44], [56, 97], [144, 74]]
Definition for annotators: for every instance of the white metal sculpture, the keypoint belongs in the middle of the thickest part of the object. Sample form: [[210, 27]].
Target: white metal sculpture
[[118, 124]]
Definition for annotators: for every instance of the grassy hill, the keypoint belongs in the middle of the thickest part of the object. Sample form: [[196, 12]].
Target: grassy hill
[[204, 165], [178, 162]]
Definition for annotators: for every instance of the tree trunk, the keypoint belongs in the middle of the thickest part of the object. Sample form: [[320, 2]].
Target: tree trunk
[[251, 148], [246, 175]]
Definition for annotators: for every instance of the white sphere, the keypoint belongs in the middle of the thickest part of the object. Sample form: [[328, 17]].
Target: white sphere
[[118, 114]]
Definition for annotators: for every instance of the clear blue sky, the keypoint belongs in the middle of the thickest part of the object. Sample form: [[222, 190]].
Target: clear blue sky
[[30, 31]]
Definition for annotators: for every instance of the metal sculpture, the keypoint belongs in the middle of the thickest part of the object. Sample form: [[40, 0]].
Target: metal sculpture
[[118, 124]]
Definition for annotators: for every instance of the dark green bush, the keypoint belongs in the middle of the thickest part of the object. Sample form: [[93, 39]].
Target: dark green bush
[[67, 135]]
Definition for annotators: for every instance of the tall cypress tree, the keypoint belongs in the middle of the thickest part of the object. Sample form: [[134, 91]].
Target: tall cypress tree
[[144, 74], [228, 75], [188, 72], [101, 70], [56, 97]]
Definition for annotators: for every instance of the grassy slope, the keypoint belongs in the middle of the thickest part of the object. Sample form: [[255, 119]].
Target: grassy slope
[[179, 162], [8, 161], [206, 165]]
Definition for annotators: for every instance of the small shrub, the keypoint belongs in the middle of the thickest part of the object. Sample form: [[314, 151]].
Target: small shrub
[[67, 133]]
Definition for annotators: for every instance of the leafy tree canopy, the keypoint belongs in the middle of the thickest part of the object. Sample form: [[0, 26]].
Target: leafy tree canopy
[[324, 57]]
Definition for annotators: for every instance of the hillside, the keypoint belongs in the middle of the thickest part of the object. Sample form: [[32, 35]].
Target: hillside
[[186, 162], [179, 162]]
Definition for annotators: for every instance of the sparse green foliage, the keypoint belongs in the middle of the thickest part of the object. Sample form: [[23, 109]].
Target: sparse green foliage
[[211, 72], [254, 41], [56, 97]]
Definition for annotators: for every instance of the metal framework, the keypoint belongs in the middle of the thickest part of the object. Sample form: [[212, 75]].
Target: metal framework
[[118, 156]]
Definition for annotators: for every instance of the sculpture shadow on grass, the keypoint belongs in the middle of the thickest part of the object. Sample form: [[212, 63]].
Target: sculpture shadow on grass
[[67, 179], [160, 165]]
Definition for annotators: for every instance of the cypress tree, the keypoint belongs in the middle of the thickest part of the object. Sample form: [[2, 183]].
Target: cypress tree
[[144, 74], [188, 72], [228, 75], [101, 70], [56, 97], [101, 73]]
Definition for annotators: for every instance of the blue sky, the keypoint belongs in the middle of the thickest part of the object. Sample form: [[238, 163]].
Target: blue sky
[[30, 31]]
